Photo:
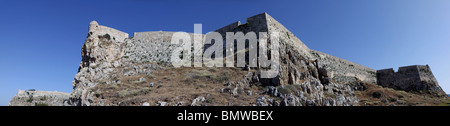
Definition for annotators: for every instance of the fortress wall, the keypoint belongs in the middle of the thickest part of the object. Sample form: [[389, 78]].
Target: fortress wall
[[389, 71], [340, 70], [137, 47], [344, 71], [337, 69], [31, 98], [151, 46], [406, 78], [286, 36], [153, 36], [229, 27], [410, 78], [137, 50], [427, 77], [255, 24], [155, 47], [385, 77], [96, 29], [102, 44], [425, 73]]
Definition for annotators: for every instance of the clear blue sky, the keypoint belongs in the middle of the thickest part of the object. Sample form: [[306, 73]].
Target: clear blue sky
[[41, 40]]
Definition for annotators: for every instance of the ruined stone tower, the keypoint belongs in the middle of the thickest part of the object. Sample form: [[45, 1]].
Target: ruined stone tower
[[418, 78]]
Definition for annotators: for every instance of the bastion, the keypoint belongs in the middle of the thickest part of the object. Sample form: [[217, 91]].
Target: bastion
[[416, 78]]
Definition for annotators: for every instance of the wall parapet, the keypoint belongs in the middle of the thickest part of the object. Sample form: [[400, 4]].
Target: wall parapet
[[96, 29]]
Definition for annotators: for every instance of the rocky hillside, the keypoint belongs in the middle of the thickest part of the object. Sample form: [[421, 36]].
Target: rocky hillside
[[118, 70]]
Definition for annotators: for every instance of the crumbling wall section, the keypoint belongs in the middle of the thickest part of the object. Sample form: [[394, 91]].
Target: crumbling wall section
[[40, 98]]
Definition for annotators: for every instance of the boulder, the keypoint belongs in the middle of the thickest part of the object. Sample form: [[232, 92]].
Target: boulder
[[261, 101], [197, 101], [161, 103], [145, 104]]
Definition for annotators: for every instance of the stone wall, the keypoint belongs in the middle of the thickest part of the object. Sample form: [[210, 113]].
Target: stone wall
[[96, 29], [293, 51], [344, 71], [287, 37], [337, 69], [229, 27], [254, 24], [40, 98], [418, 78], [149, 47]]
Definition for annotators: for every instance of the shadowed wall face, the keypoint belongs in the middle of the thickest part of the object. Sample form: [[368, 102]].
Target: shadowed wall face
[[410, 78]]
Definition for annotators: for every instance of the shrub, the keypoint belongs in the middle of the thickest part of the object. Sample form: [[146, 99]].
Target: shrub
[[287, 33], [225, 76], [30, 99], [125, 93], [113, 86], [283, 90], [134, 92], [139, 82], [446, 103], [212, 69], [287, 89], [210, 101], [145, 90], [330, 95], [43, 98], [377, 94], [293, 88], [315, 54], [195, 74]]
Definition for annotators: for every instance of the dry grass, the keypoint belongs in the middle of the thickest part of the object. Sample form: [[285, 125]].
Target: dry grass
[[176, 84], [445, 103], [390, 96]]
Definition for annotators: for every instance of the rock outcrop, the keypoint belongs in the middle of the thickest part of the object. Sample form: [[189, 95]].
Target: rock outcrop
[[100, 53]]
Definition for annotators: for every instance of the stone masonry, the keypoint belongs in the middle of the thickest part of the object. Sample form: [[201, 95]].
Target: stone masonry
[[338, 69], [40, 98], [417, 78]]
